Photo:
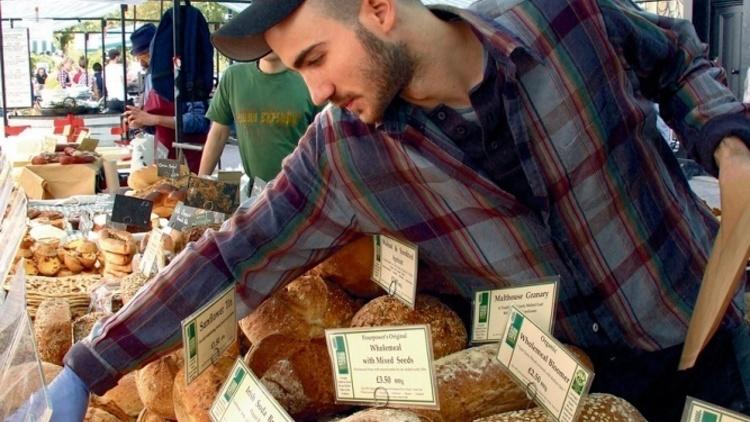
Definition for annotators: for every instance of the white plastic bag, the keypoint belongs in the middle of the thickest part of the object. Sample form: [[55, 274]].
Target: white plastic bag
[[20, 368]]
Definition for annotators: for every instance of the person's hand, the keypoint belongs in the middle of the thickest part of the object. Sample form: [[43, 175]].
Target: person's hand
[[733, 158], [69, 397], [138, 118]]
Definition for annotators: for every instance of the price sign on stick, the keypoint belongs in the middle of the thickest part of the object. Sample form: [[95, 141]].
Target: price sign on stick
[[132, 211]]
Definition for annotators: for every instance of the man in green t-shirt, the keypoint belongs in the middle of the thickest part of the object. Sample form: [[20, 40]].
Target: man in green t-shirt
[[271, 109]]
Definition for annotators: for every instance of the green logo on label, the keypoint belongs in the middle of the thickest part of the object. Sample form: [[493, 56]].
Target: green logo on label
[[234, 384], [579, 381], [341, 362], [515, 328], [192, 344], [484, 302], [706, 416]]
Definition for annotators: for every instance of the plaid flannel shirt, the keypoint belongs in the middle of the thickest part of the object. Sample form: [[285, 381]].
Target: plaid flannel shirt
[[617, 220]]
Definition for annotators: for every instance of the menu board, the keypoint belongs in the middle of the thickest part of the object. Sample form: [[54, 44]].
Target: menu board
[[17, 67]]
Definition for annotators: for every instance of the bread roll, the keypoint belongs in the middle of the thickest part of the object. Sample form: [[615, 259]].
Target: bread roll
[[53, 330], [192, 402], [96, 414], [596, 407], [302, 309], [448, 332], [383, 415], [154, 383], [472, 384], [142, 178], [125, 396], [351, 268], [149, 416], [297, 373]]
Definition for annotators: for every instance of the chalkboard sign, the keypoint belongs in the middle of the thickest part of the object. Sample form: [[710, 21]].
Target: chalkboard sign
[[168, 168], [132, 211], [213, 195], [185, 217]]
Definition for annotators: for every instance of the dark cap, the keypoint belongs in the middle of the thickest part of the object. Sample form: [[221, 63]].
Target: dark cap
[[242, 38], [141, 38]]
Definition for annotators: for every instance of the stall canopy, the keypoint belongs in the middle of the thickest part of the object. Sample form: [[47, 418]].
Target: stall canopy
[[41, 12]]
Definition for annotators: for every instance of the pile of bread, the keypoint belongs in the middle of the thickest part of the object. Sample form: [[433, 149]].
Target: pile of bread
[[51, 258], [165, 194]]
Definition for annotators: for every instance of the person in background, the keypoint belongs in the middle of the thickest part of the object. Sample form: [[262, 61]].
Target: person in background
[[114, 79], [40, 78], [98, 83], [508, 141], [270, 108], [63, 73], [140, 41]]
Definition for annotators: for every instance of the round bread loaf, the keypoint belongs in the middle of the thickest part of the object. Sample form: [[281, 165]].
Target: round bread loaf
[[304, 308], [154, 383], [192, 402], [383, 415], [53, 330], [297, 373], [448, 332], [595, 407], [95, 414], [125, 396], [351, 268], [472, 384]]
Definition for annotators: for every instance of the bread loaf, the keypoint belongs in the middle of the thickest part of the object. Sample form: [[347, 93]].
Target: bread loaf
[[125, 396], [472, 384], [351, 268], [383, 415], [82, 326], [95, 414], [129, 286], [192, 402], [448, 332], [154, 383], [302, 309], [53, 330], [596, 407], [297, 373], [149, 416]]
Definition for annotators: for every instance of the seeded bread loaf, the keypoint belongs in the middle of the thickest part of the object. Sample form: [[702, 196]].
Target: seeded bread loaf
[[53, 330], [351, 268], [154, 383], [192, 402], [383, 415], [448, 332]]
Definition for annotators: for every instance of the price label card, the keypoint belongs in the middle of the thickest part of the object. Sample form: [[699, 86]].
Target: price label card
[[213, 195], [208, 333], [536, 300], [88, 144], [168, 168], [389, 366], [552, 376], [395, 268], [131, 211], [244, 398], [81, 136], [185, 217], [153, 257], [699, 411]]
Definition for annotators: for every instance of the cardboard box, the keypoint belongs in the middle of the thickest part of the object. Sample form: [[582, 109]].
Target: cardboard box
[[54, 181]]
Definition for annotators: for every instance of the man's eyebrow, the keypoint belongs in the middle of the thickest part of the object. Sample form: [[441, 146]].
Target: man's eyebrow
[[301, 56]]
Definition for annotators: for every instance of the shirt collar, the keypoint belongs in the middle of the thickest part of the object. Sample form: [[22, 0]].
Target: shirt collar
[[503, 46]]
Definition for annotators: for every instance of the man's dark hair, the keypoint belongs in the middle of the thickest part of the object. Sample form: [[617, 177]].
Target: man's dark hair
[[97, 67], [347, 11], [113, 54]]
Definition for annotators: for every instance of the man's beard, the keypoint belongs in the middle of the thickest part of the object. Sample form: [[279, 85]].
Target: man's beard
[[390, 69]]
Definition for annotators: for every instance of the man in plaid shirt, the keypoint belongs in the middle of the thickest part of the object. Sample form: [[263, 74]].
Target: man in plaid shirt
[[510, 141]]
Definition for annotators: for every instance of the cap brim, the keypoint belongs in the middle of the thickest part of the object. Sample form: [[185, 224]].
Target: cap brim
[[242, 37]]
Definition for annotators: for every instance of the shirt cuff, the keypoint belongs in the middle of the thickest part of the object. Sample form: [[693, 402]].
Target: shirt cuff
[[98, 376], [718, 128]]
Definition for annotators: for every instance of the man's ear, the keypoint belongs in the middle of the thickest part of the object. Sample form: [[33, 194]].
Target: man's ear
[[378, 15]]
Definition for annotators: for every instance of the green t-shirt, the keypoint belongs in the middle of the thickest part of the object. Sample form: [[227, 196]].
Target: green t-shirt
[[270, 112]]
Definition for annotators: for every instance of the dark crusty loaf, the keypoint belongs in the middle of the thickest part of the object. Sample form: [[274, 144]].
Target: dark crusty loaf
[[53, 330], [448, 332]]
